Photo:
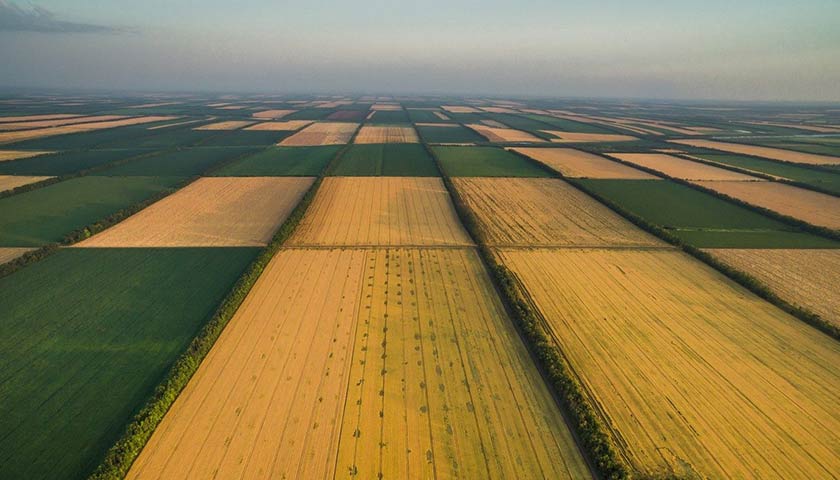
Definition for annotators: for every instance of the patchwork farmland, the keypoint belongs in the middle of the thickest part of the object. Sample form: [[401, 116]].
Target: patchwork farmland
[[267, 286]]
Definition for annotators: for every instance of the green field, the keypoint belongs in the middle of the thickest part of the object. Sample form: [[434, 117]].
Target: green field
[[169, 137], [48, 214], [799, 144], [485, 162], [281, 161], [701, 219], [387, 116], [389, 160], [568, 125], [456, 134], [310, 114], [244, 138], [179, 163], [86, 140], [63, 163], [525, 123], [809, 176], [87, 335], [425, 116]]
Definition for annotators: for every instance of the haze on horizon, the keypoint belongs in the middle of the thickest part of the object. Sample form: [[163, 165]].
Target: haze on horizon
[[727, 50]]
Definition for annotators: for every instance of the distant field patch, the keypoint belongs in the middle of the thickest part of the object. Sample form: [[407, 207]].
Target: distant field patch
[[210, 212], [502, 134], [389, 211], [19, 136], [390, 159], [7, 155], [8, 182], [226, 125], [460, 109], [322, 133], [33, 118], [816, 178], [485, 162], [290, 125], [178, 163], [272, 114], [386, 134], [63, 163], [448, 134], [281, 161], [578, 164], [347, 116], [10, 126], [681, 168], [571, 137], [765, 152]]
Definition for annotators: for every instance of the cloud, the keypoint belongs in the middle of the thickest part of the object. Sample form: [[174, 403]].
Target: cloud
[[14, 18]]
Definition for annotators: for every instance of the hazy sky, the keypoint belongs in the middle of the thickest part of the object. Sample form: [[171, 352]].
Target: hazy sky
[[733, 49]]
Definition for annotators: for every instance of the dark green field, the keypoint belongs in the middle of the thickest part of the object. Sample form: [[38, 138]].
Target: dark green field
[[524, 123], [425, 116], [451, 134], [281, 161], [310, 114], [180, 163], [48, 214], [809, 176], [389, 160], [169, 137], [244, 138], [87, 335], [568, 125], [63, 163], [799, 144], [485, 162], [387, 116], [701, 219]]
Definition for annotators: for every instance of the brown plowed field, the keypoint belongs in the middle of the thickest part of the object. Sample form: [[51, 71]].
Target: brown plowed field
[[577, 164]]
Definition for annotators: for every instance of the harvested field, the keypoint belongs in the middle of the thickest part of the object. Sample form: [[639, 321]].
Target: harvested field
[[6, 155], [381, 211], [460, 109], [272, 114], [504, 135], [766, 152], [572, 137], [544, 211], [210, 212], [813, 207], [7, 254], [695, 375], [807, 278], [57, 122], [323, 133], [290, 125], [683, 169], [388, 107], [302, 383], [19, 136], [578, 164], [498, 110], [226, 125], [387, 134], [817, 178], [441, 115], [8, 182]]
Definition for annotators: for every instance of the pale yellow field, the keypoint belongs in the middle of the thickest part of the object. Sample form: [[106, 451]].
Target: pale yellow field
[[8, 182], [18, 136], [322, 133], [441, 115], [342, 362], [577, 164], [6, 155], [27, 118], [544, 211], [693, 373], [7, 254], [804, 277], [570, 137], [813, 207], [766, 152], [388, 107], [289, 125], [503, 135], [460, 109], [212, 211], [681, 168], [386, 134], [498, 110], [381, 211], [272, 114], [226, 125], [57, 122]]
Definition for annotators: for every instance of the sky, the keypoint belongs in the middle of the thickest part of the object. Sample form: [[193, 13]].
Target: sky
[[720, 50]]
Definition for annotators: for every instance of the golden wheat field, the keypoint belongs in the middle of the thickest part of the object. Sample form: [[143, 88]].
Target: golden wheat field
[[681, 168], [57, 122], [226, 125], [212, 211], [578, 164], [571, 137], [6, 155], [766, 152], [813, 207], [502, 134], [693, 374], [7, 254], [322, 133], [381, 211], [386, 134], [288, 125], [272, 114], [804, 277], [460, 109], [384, 363], [21, 135], [544, 211], [8, 182]]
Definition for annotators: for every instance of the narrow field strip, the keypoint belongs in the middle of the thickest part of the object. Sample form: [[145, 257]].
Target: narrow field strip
[[683, 169], [8, 182], [578, 164], [503, 134], [19, 136], [766, 152]]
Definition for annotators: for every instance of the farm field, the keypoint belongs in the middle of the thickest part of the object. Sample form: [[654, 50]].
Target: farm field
[[579, 164], [459, 394], [386, 134], [8, 254], [8, 182], [23, 135], [6, 155], [817, 178], [572, 137], [672, 353], [187, 162], [806, 278], [485, 162], [210, 212], [290, 126], [701, 219], [381, 211], [63, 163], [392, 160], [448, 134], [323, 133], [502, 134], [765, 152], [77, 367], [48, 214], [544, 211], [681, 168], [280, 161], [813, 207]]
